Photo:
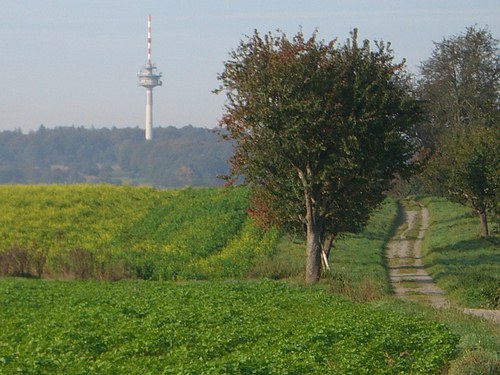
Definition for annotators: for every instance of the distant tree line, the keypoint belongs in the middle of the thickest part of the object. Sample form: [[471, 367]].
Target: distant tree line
[[187, 156]]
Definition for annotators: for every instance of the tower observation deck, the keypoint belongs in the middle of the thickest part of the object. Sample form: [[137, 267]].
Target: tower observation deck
[[149, 79]]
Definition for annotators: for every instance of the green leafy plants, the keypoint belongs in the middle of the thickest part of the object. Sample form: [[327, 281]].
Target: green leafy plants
[[72, 327]]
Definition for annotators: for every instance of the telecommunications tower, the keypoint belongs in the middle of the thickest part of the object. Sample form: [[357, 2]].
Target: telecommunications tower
[[149, 78]]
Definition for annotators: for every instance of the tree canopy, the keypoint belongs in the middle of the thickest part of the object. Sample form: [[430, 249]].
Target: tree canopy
[[320, 130], [460, 84]]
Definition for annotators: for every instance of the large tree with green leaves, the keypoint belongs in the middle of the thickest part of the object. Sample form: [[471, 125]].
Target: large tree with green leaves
[[320, 129]]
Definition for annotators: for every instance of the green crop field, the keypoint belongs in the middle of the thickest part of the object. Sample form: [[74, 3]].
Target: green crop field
[[188, 318], [109, 232], [216, 327]]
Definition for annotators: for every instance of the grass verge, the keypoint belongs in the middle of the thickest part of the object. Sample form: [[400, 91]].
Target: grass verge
[[356, 260], [459, 260]]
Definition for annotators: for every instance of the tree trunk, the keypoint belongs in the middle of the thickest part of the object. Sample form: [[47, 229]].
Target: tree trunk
[[313, 239], [484, 224], [313, 250]]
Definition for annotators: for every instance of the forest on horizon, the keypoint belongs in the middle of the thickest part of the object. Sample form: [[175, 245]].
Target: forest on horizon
[[176, 157]]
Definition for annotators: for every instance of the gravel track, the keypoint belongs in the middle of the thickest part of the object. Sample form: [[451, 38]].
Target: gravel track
[[407, 274]]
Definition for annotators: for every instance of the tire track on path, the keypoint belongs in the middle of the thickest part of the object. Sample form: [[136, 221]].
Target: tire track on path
[[407, 275]]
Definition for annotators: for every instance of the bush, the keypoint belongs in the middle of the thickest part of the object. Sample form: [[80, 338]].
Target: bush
[[20, 261]]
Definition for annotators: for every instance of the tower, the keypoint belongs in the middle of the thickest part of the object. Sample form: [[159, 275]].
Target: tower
[[149, 79]]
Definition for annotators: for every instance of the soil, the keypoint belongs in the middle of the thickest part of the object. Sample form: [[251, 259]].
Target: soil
[[407, 274]]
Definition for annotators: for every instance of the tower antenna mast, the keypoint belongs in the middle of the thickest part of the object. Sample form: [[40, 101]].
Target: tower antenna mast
[[149, 79], [149, 40]]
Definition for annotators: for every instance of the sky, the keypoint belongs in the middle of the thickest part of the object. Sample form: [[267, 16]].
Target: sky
[[75, 62]]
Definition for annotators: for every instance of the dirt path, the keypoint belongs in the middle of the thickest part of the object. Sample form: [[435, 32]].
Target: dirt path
[[407, 274]]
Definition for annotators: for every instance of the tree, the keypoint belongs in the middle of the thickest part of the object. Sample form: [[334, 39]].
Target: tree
[[319, 130], [460, 84], [467, 169]]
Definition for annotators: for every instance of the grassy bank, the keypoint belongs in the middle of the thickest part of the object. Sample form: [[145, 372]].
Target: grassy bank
[[356, 260], [459, 260], [358, 263]]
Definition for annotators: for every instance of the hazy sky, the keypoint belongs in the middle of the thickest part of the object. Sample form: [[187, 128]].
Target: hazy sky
[[74, 62]]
